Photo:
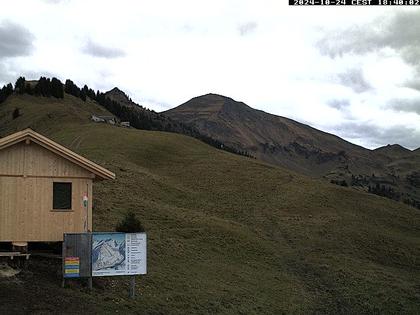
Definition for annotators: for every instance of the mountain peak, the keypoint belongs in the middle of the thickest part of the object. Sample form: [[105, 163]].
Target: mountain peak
[[395, 146], [118, 95], [210, 99], [116, 89], [213, 96], [393, 149], [213, 102]]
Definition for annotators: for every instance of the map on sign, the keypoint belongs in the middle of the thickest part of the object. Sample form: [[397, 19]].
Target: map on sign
[[118, 254], [108, 253]]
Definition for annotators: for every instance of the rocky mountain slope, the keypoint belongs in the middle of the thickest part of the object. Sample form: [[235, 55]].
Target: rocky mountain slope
[[394, 151], [299, 147]]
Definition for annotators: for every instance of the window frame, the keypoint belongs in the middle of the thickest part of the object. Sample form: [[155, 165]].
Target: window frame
[[71, 209]]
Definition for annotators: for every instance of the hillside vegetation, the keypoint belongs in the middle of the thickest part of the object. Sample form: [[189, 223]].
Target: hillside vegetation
[[390, 171], [227, 234]]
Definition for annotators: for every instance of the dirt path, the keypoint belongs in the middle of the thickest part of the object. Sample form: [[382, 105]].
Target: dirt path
[[75, 144]]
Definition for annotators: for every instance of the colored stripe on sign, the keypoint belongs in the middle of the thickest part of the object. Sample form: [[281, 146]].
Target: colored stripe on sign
[[71, 267], [72, 264]]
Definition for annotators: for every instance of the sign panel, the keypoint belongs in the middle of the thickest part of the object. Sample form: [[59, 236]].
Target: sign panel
[[77, 246], [118, 254], [71, 267]]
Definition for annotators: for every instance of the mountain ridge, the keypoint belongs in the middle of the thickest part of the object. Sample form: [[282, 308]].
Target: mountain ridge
[[394, 150], [268, 137], [285, 142], [231, 101]]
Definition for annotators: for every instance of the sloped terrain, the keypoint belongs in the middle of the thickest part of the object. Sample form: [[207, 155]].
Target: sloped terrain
[[293, 145], [271, 138], [227, 234], [394, 151]]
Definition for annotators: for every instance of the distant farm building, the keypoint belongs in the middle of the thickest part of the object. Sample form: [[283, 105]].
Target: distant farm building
[[106, 119], [45, 189]]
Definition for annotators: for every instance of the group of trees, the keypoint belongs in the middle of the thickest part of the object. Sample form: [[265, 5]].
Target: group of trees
[[379, 189], [338, 182], [138, 116], [414, 179], [359, 180], [412, 202], [385, 191], [143, 118], [46, 87], [43, 87], [5, 91], [73, 89], [391, 193]]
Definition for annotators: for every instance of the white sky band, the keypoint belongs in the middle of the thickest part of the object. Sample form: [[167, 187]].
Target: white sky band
[[352, 71]]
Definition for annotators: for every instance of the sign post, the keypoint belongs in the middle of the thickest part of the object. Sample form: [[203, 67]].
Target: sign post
[[105, 254], [133, 287]]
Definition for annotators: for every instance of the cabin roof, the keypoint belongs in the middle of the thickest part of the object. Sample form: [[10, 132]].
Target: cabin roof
[[29, 134]]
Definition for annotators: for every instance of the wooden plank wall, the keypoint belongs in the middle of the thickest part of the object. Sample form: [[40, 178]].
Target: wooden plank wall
[[27, 173]]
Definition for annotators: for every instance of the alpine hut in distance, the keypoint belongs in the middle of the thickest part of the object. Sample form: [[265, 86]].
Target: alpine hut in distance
[[45, 189]]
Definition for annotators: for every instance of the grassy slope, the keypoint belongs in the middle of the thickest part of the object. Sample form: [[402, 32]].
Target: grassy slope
[[229, 234]]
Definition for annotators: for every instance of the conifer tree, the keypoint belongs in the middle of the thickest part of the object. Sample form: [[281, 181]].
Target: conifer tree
[[5, 92], [20, 85], [57, 88], [83, 95], [28, 89], [16, 113]]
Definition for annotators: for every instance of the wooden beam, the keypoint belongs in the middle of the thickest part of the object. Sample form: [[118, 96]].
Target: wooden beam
[[58, 149], [40, 176]]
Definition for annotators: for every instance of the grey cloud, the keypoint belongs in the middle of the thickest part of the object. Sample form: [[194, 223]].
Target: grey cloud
[[15, 40], [413, 84], [353, 40], [376, 137], [339, 104], [403, 29], [97, 50], [187, 28], [354, 79], [344, 107], [35, 75], [400, 31], [5, 75], [405, 105], [56, 1], [163, 105], [247, 28]]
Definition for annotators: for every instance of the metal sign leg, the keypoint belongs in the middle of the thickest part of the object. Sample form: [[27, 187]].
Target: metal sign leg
[[133, 287]]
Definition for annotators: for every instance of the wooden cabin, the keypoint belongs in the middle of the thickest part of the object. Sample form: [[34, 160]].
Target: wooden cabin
[[45, 189]]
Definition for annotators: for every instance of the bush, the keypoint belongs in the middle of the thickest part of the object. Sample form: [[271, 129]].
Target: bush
[[16, 113], [130, 224]]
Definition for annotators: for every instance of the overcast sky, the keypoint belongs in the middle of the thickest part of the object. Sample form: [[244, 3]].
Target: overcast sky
[[351, 71]]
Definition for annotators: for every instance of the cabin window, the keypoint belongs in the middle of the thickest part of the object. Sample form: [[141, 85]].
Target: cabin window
[[62, 196]]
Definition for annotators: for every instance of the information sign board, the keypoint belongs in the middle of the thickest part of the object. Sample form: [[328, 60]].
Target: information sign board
[[118, 254]]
